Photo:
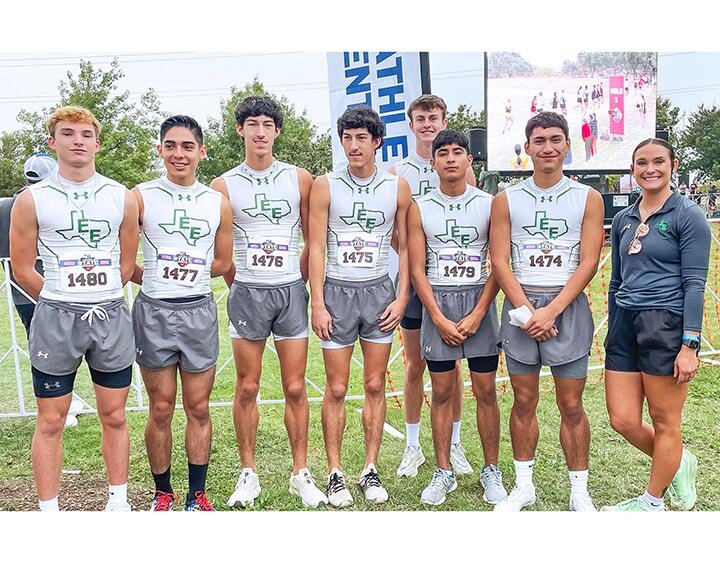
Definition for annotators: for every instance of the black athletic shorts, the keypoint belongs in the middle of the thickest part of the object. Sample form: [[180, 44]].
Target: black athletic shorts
[[648, 340]]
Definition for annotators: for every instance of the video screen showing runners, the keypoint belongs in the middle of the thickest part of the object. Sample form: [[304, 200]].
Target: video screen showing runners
[[607, 98]]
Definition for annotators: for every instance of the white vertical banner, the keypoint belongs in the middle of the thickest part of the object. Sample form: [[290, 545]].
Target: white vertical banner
[[385, 81]]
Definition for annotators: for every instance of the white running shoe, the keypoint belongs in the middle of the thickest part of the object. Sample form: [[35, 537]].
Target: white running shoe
[[412, 459], [460, 464], [118, 507], [519, 498], [371, 486], [441, 484], [491, 481], [303, 485], [581, 502], [337, 490], [246, 490]]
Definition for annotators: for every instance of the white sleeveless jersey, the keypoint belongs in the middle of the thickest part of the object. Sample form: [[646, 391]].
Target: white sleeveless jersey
[[78, 238], [266, 223], [456, 235], [545, 231], [178, 238], [419, 174], [360, 225]]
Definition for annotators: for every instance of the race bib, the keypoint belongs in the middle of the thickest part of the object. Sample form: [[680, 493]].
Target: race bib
[[461, 266], [545, 254], [81, 272], [358, 251], [177, 266], [268, 255]]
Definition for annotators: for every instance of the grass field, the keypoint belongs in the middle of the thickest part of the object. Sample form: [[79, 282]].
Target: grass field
[[617, 471]]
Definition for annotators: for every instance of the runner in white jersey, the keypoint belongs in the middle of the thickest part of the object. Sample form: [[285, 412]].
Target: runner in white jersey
[[448, 251], [546, 237], [187, 240], [427, 117], [269, 201], [354, 214], [86, 227]]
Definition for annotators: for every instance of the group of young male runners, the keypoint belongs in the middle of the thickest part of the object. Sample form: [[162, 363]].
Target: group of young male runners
[[543, 237]]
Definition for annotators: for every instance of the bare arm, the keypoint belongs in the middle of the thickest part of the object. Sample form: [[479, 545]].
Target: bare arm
[[305, 180], [592, 237], [138, 272], [417, 254], [394, 312], [129, 238], [223, 241], [317, 244], [500, 247], [23, 244], [220, 185]]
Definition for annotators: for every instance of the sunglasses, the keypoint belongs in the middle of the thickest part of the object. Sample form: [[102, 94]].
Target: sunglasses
[[636, 243]]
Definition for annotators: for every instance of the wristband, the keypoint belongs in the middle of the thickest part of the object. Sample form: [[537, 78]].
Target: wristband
[[687, 336]]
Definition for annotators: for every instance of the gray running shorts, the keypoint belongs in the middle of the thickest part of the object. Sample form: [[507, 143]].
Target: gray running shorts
[[62, 333], [355, 308], [257, 311], [456, 303], [577, 369], [169, 333], [575, 332]]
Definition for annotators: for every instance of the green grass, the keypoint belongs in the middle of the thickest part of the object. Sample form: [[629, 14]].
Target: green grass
[[617, 470]]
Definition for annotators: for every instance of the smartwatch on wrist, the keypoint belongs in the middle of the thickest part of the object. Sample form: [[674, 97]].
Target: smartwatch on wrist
[[692, 341]]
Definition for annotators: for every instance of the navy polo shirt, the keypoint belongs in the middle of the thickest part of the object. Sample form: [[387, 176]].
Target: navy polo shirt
[[671, 269]]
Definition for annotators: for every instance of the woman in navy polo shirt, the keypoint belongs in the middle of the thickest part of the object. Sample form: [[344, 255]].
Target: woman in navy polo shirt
[[660, 252]]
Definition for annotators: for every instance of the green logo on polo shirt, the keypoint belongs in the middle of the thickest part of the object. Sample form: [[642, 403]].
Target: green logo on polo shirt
[[90, 231], [663, 226], [190, 228], [546, 226]]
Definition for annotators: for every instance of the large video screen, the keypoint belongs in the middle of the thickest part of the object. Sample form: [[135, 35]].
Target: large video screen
[[607, 98]]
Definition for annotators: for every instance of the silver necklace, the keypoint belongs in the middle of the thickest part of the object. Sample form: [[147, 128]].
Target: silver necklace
[[352, 178], [260, 178]]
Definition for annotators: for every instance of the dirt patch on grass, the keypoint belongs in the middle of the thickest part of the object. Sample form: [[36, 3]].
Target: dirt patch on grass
[[77, 492]]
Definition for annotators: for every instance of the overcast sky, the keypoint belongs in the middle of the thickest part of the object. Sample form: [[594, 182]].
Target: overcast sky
[[195, 82]]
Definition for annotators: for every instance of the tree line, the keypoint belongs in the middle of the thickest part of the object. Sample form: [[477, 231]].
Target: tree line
[[130, 132]]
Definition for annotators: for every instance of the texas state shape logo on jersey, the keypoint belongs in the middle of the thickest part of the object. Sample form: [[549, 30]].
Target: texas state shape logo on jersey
[[546, 226], [190, 228], [272, 209], [366, 219], [90, 231], [460, 235]]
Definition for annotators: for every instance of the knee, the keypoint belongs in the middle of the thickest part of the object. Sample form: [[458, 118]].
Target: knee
[[571, 410], [247, 390], [624, 425], [198, 411], [415, 369], [161, 413], [485, 395], [295, 391], [375, 386], [335, 392], [113, 419], [525, 404], [664, 421], [50, 424], [442, 396]]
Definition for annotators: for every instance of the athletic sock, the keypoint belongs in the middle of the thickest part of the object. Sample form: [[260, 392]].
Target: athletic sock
[[162, 481], [49, 505], [455, 433], [524, 472], [196, 476], [578, 481], [653, 503], [117, 494], [412, 433]]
